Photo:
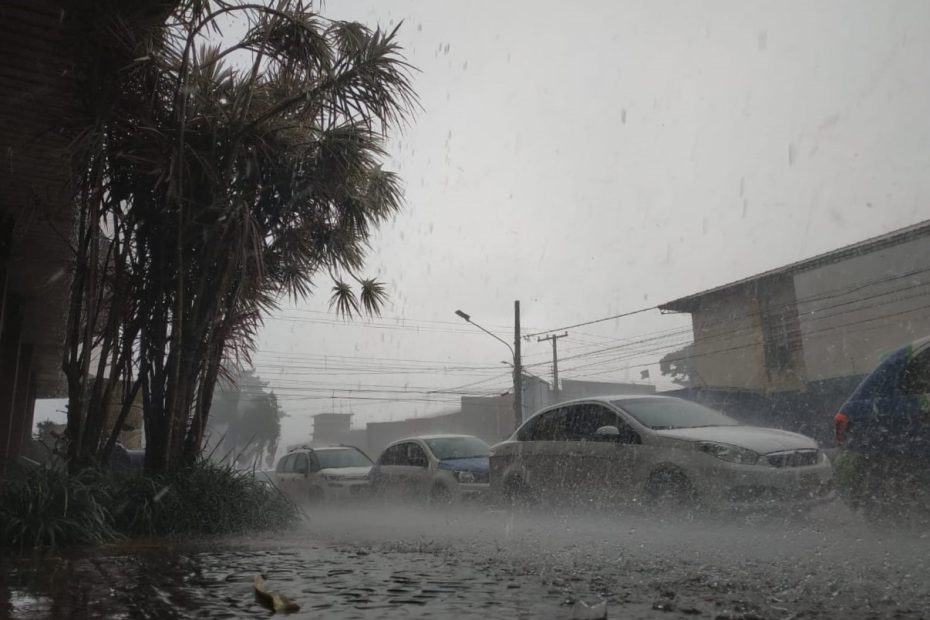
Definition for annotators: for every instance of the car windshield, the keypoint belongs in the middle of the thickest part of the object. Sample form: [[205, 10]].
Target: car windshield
[[667, 413], [345, 457], [457, 447]]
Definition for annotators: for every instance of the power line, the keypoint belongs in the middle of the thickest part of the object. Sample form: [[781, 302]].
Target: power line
[[608, 318], [818, 315], [797, 301]]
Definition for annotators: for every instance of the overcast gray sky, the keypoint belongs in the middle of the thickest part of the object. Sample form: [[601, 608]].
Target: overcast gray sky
[[596, 157]]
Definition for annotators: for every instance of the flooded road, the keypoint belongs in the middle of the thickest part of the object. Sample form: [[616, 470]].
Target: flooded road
[[471, 562]]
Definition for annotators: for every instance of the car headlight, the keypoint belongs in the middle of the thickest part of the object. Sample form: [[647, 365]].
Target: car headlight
[[464, 476], [728, 453]]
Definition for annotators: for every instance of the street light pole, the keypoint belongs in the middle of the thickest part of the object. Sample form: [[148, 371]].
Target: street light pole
[[517, 368], [517, 363]]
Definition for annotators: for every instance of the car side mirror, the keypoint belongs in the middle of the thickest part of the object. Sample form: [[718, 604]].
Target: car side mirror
[[608, 432]]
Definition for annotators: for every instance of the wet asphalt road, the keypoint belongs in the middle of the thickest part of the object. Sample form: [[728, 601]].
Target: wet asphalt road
[[474, 562]]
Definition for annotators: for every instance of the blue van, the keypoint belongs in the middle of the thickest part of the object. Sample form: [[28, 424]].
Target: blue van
[[883, 435]]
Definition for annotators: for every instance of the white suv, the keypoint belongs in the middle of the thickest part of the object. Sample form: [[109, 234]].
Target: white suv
[[319, 474]]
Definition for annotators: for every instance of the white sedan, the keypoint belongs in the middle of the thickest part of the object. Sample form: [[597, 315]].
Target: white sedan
[[657, 449]]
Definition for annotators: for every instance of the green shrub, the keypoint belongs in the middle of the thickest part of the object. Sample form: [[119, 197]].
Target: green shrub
[[45, 507], [204, 499]]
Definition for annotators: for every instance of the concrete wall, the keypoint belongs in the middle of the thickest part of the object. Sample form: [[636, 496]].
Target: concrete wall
[[573, 388], [728, 341], [330, 428], [782, 350], [854, 312]]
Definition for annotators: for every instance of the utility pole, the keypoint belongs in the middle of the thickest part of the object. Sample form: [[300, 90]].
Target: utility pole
[[517, 368], [515, 351], [555, 358]]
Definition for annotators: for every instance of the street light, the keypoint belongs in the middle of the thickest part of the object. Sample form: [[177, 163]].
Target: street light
[[515, 352], [467, 317]]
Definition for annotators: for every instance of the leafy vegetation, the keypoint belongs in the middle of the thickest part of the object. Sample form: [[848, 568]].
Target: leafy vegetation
[[208, 498], [214, 176], [48, 507], [246, 421], [680, 366], [45, 506]]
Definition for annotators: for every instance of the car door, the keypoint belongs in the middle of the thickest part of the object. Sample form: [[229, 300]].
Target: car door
[[545, 451], [913, 396], [287, 476], [413, 471], [894, 418], [300, 467], [384, 476], [600, 466]]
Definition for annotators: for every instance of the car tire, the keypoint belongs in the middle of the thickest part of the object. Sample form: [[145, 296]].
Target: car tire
[[516, 492], [316, 495], [440, 495], [670, 489]]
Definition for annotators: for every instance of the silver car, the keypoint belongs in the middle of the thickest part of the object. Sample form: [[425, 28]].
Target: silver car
[[438, 468], [324, 474], [657, 449]]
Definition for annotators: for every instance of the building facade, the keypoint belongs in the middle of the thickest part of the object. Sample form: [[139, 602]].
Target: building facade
[[790, 344]]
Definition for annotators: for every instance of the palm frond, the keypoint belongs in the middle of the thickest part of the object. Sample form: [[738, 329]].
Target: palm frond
[[373, 297], [343, 300]]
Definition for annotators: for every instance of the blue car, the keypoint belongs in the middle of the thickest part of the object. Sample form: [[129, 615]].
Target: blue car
[[883, 436]]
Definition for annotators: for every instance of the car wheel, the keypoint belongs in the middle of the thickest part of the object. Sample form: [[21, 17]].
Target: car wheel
[[670, 489], [440, 495], [517, 492], [315, 495]]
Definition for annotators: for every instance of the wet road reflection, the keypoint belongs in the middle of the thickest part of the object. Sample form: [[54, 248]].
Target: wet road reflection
[[472, 562]]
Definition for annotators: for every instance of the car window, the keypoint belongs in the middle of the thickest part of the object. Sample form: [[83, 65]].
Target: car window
[[283, 464], [582, 421], [457, 447], [414, 456], [342, 457], [548, 426], [916, 376], [299, 463], [392, 455], [669, 413]]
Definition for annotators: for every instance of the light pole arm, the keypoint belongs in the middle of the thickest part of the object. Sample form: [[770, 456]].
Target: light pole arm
[[499, 339], [467, 319]]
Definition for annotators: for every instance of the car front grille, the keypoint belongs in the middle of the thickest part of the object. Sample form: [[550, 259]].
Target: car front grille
[[793, 458]]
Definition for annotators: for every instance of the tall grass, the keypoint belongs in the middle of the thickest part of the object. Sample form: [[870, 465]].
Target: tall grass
[[205, 499], [47, 507]]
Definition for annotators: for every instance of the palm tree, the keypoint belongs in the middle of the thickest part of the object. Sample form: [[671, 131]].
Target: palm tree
[[217, 178]]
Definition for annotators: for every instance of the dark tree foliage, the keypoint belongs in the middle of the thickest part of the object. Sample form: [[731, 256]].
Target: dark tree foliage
[[245, 421], [215, 175], [679, 365]]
